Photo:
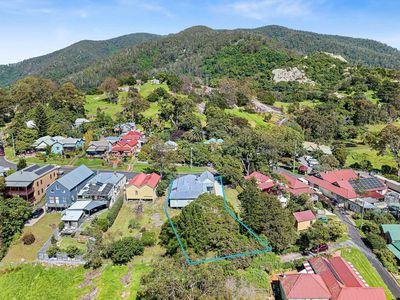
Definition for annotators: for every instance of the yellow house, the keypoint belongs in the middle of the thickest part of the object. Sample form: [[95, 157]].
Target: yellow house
[[304, 219], [142, 187]]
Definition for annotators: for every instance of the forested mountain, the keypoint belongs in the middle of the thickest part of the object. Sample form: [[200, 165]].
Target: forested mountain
[[71, 59], [358, 51], [199, 51]]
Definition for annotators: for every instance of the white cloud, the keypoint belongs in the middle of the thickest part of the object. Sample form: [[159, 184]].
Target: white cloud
[[264, 9]]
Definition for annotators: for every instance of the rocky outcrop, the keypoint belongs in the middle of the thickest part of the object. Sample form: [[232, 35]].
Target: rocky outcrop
[[291, 74]]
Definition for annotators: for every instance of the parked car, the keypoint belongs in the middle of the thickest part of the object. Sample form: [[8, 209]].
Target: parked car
[[320, 248], [37, 213], [2, 153]]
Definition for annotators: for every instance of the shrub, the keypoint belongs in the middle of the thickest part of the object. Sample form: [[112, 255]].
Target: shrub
[[28, 239], [375, 241], [162, 187], [72, 251], [52, 251], [103, 224], [133, 224], [61, 226], [114, 210], [53, 240], [388, 259], [148, 239], [122, 251]]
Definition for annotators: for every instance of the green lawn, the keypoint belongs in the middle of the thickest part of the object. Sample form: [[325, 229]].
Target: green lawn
[[95, 101], [139, 269], [370, 96], [109, 283], [364, 152], [98, 163], [39, 282], [152, 111], [232, 198], [50, 160], [42, 231], [254, 119], [147, 88], [285, 105], [367, 271], [68, 241]]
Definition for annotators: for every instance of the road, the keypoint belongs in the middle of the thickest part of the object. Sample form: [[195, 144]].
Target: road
[[6, 164], [354, 235]]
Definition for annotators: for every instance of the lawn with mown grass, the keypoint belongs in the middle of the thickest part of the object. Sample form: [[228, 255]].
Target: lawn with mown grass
[[284, 105], [100, 101], [364, 152], [109, 284], [147, 88], [253, 119], [68, 242], [29, 282], [42, 231], [367, 271], [231, 196]]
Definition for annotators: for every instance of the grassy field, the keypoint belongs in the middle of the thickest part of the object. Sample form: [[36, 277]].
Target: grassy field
[[39, 282], [364, 152], [367, 271], [67, 241], [95, 101], [232, 198], [147, 88], [42, 231], [152, 111], [285, 105], [109, 283], [253, 119], [370, 96]]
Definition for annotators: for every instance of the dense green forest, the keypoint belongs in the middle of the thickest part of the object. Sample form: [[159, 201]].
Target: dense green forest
[[194, 51], [63, 62]]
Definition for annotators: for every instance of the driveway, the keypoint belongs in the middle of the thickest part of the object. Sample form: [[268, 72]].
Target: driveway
[[6, 164], [355, 237]]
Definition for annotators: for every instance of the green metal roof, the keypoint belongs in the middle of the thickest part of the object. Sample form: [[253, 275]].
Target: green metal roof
[[393, 230], [394, 248]]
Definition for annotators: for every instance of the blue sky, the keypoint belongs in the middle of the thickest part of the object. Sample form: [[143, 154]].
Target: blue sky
[[35, 27]]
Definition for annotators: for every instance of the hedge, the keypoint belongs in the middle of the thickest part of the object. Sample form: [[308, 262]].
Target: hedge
[[114, 211]]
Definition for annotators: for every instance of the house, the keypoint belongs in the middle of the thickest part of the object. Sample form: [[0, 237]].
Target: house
[[74, 216], [124, 148], [187, 188], [142, 187], [154, 81], [361, 205], [98, 148], [304, 219], [328, 278], [78, 122], [104, 187], [65, 145], [42, 143], [391, 233], [112, 139], [311, 147], [64, 191], [344, 185], [31, 182], [296, 186], [125, 127], [264, 182]]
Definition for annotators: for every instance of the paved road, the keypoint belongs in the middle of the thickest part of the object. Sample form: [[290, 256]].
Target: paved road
[[354, 235], [6, 164]]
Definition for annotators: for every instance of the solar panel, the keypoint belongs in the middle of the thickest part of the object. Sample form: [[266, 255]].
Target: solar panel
[[363, 184], [44, 169], [32, 168]]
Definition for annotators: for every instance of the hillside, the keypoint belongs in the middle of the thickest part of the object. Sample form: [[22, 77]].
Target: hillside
[[71, 59], [356, 50]]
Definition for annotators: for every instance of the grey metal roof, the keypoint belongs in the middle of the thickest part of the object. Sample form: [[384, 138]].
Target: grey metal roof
[[25, 176], [72, 215], [75, 177], [191, 186]]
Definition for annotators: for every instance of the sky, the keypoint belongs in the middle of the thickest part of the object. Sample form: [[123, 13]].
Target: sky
[[30, 28]]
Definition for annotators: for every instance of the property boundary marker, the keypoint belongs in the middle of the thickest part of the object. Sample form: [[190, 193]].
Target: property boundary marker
[[212, 259]]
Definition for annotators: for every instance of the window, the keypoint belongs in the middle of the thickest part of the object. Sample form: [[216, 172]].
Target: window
[[57, 187], [51, 200], [52, 191], [41, 181], [37, 183], [58, 200], [42, 191], [51, 176], [136, 193]]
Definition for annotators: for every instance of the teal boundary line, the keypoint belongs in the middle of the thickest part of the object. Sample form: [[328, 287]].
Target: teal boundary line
[[195, 262]]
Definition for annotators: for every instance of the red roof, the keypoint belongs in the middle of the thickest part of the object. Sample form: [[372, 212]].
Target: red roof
[[302, 168], [142, 179], [344, 192], [303, 216], [258, 176], [263, 181], [342, 281], [304, 286], [338, 175], [124, 146], [132, 135], [295, 186]]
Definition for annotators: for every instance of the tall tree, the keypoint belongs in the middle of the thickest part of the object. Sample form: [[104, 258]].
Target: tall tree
[[68, 96], [135, 103], [264, 214], [41, 120], [387, 140], [110, 88]]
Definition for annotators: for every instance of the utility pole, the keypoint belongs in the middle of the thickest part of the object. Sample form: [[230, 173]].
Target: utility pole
[[191, 157]]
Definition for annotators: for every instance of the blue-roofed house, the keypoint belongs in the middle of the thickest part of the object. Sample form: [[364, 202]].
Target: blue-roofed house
[[103, 187], [187, 188], [64, 191]]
